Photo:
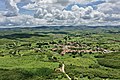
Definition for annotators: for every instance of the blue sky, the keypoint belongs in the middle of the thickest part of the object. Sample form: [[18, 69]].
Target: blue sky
[[2, 5], [59, 12]]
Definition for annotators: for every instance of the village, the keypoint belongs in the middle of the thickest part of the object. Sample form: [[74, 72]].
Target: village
[[45, 54], [73, 47]]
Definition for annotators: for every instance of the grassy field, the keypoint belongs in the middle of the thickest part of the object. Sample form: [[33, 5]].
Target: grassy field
[[89, 53]]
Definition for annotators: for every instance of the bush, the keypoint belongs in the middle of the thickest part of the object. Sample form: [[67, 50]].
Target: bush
[[15, 74], [42, 71], [99, 56], [90, 76], [94, 66], [109, 63]]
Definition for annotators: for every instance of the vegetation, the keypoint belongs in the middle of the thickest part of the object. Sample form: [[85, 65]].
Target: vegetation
[[87, 52]]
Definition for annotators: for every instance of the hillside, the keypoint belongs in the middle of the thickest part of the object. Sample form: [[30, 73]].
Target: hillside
[[34, 53]]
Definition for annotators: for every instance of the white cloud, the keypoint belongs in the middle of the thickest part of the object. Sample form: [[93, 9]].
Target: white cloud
[[52, 12], [12, 7], [30, 6], [75, 8], [110, 8], [21, 20], [108, 11]]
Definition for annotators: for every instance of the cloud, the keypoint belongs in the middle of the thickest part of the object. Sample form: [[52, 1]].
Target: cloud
[[77, 13], [46, 4], [11, 5], [110, 8], [21, 20], [63, 12]]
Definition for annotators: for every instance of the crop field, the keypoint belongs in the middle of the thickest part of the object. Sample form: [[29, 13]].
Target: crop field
[[87, 52]]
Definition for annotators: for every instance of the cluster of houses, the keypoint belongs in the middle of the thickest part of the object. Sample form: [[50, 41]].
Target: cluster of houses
[[73, 47]]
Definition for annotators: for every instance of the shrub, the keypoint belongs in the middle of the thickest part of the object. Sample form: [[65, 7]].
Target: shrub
[[94, 66], [90, 76], [109, 63], [15, 74]]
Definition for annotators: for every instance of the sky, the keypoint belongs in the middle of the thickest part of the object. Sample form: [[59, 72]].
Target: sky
[[59, 12]]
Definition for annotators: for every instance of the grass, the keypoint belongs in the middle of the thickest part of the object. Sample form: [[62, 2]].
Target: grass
[[40, 65], [24, 62]]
